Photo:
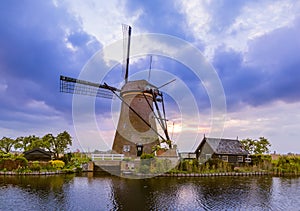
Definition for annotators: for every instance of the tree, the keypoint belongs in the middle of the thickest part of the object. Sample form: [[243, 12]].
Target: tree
[[260, 146], [47, 140], [57, 144], [6, 144], [22, 143], [28, 143], [60, 143]]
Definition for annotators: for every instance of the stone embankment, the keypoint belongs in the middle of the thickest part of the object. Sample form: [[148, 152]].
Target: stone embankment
[[215, 174], [31, 173]]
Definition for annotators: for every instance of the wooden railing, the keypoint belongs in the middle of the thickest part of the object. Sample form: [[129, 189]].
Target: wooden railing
[[98, 157]]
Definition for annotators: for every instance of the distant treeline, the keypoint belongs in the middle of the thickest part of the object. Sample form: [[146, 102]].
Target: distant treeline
[[55, 144]]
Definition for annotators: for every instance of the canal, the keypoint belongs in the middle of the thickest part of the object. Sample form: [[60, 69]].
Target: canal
[[103, 192]]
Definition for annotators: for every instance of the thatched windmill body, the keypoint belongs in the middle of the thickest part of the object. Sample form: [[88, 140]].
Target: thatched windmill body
[[140, 109]]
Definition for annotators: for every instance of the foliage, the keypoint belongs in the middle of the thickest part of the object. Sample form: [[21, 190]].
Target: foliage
[[188, 165], [147, 156], [144, 168], [5, 155], [23, 161], [211, 166], [160, 166], [217, 165], [57, 144], [259, 158], [6, 144], [22, 143], [260, 146], [75, 160], [19, 163], [60, 143], [146, 160], [289, 164], [57, 164], [35, 166], [28, 143], [156, 148]]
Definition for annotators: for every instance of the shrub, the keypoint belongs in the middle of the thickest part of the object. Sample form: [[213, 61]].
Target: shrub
[[287, 164], [57, 164], [145, 169], [21, 161], [5, 155], [160, 165], [35, 166], [147, 156]]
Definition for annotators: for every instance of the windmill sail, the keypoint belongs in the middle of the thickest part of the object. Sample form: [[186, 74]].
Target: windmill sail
[[75, 86], [126, 50]]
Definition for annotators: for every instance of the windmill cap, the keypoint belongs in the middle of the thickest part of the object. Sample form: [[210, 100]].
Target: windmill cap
[[137, 86]]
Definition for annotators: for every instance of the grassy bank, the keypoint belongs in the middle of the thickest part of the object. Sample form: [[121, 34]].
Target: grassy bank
[[283, 165], [69, 163]]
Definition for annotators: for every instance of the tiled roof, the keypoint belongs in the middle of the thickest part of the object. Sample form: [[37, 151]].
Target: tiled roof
[[226, 146]]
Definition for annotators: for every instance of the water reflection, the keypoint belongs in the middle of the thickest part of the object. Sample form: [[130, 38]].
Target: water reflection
[[33, 192], [103, 192], [193, 193]]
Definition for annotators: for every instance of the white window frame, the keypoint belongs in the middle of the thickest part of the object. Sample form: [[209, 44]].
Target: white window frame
[[224, 158], [240, 159], [126, 148]]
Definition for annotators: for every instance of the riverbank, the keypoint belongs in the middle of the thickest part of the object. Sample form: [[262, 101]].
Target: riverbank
[[223, 174], [216, 174], [31, 173]]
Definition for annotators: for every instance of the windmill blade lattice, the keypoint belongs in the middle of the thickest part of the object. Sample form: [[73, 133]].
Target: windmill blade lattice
[[75, 86]]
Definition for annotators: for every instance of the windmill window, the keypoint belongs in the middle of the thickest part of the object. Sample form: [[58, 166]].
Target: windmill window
[[225, 158], [126, 148]]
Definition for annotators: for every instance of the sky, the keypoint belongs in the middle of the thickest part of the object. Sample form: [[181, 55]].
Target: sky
[[252, 48]]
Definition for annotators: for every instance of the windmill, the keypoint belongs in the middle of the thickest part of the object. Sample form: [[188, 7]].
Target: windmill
[[141, 107]]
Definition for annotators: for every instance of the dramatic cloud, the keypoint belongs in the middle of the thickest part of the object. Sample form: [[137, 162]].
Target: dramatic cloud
[[268, 72], [221, 23], [38, 42], [253, 45]]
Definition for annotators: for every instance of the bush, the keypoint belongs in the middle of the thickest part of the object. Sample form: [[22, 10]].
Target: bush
[[57, 164], [35, 166], [147, 156], [21, 161], [145, 169], [287, 164], [160, 166], [262, 162], [188, 166]]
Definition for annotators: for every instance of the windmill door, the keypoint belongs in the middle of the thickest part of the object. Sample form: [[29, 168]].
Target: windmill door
[[139, 150]]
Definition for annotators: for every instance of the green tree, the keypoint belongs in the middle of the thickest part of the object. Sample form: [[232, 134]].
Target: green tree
[[34, 142], [28, 143], [57, 144], [6, 144], [22, 143], [47, 140], [260, 146], [60, 143]]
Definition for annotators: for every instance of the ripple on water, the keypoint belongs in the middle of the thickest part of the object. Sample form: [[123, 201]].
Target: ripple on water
[[113, 193]]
